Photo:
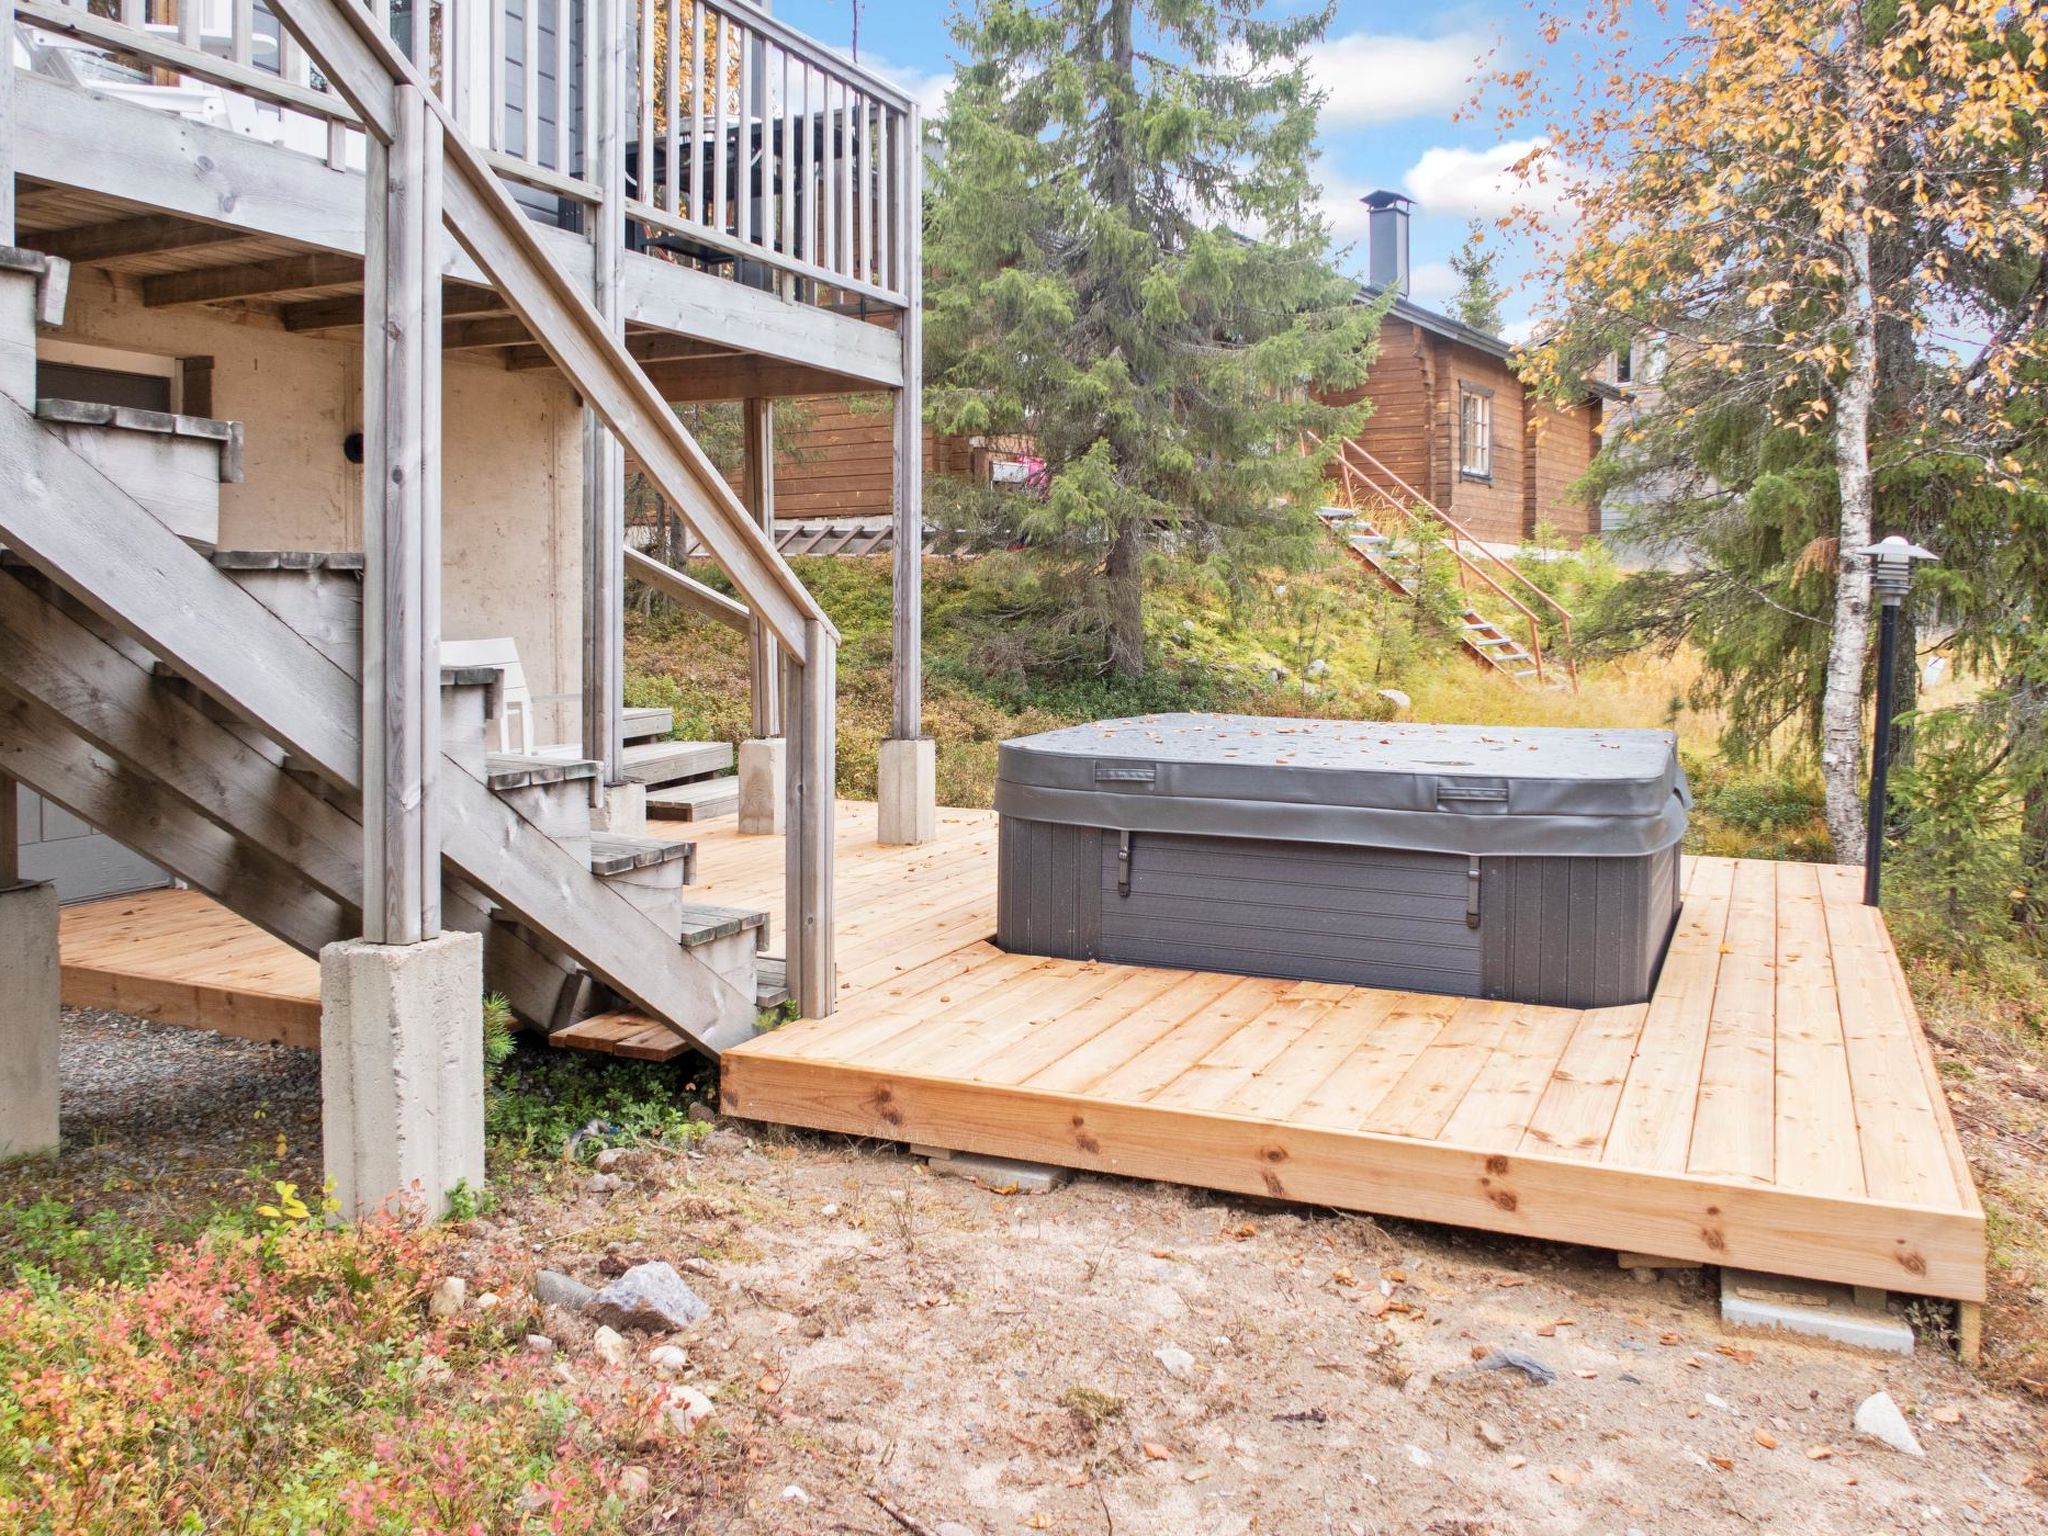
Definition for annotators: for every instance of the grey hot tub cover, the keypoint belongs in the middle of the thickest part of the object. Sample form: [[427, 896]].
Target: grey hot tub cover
[[1479, 790]]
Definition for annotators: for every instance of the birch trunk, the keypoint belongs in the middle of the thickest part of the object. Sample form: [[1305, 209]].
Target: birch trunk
[[1841, 716]]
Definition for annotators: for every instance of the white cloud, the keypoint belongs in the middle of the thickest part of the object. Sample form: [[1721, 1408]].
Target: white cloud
[[1432, 283], [1478, 183], [929, 88], [1378, 78]]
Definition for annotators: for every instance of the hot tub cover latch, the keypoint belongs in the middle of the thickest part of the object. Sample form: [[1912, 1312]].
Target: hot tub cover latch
[[1123, 863], [1472, 893]]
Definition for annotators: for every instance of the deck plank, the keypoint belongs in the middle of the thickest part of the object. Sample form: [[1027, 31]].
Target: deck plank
[[1818, 1146], [1576, 1111], [1653, 1120], [1734, 1122]]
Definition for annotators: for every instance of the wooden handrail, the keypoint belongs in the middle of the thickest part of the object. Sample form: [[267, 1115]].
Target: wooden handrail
[[707, 602], [1353, 474]]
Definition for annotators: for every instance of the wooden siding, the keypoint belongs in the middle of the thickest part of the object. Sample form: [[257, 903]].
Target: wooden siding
[[1397, 433], [838, 459], [1492, 508], [1561, 445]]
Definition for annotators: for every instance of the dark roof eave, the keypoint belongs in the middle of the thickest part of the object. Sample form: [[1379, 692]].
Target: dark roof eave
[[1465, 336]]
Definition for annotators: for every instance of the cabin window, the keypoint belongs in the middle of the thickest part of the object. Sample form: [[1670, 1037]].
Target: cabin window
[[1475, 432]]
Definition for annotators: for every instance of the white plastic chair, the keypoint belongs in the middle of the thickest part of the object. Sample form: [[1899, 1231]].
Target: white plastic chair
[[515, 720]]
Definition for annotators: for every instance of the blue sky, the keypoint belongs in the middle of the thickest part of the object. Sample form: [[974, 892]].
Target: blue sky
[[1396, 76]]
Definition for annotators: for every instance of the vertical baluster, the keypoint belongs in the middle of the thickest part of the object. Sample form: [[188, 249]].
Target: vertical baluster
[[529, 80], [807, 171], [790, 186], [719, 117], [243, 44], [885, 210], [641, 122], [828, 176], [498, 105], [189, 18], [671, 104], [697, 111], [563, 96], [135, 13], [291, 58], [743, 141], [845, 198]]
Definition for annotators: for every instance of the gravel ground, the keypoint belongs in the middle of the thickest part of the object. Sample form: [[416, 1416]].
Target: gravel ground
[[159, 1115]]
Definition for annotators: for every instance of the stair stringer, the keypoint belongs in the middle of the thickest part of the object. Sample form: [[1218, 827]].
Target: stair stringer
[[134, 572]]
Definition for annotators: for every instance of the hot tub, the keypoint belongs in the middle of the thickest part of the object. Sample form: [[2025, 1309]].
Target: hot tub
[[1540, 866]]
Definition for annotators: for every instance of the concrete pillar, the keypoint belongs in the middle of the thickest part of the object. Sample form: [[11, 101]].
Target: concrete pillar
[[909, 792], [621, 810], [28, 1019], [764, 782], [402, 1071]]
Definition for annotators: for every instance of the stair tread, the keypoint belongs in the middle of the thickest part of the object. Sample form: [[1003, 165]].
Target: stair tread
[[695, 802], [517, 770], [771, 980], [703, 922], [613, 853], [287, 559], [632, 1035], [643, 722], [660, 762]]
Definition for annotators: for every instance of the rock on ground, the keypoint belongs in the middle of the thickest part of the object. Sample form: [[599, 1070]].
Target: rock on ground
[[1878, 1417], [552, 1288], [651, 1297]]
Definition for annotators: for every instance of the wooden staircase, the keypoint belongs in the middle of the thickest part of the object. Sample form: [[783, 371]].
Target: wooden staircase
[[202, 706], [1392, 529], [1399, 567]]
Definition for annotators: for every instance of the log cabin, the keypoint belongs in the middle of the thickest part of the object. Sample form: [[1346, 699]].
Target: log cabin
[[324, 339]]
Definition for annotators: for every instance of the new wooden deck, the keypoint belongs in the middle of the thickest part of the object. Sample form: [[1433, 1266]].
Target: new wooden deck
[[1774, 1106]]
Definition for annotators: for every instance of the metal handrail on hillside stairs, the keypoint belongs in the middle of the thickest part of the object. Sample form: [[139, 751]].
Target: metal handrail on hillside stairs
[[1362, 476]]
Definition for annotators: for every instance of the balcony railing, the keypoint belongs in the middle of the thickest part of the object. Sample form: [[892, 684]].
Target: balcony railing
[[749, 149]]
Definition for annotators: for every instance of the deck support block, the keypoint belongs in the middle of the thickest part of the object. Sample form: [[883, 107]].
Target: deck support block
[[29, 1019], [1842, 1314], [402, 1071], [764, 785], [908, 792]]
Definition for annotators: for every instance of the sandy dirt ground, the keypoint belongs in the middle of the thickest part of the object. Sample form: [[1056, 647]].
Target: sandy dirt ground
[[1119, 1357]]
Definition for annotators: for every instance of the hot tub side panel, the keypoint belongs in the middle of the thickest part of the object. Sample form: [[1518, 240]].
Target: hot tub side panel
[[1049, 888], [1576, 932]]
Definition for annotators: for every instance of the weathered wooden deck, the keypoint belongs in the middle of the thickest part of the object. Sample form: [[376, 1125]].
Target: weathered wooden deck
[[1774, 1106]]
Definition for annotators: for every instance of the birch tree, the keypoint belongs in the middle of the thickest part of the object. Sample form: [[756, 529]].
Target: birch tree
[[1793, 203]]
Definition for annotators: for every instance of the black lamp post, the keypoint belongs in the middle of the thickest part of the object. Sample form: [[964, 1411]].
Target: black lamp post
[[1891, 569]]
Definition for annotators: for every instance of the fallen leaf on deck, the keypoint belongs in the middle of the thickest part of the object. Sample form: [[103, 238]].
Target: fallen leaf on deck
[[1765, 1438]]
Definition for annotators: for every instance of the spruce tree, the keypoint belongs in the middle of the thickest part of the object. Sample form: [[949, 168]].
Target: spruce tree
[[1128, 267], [1476, 264]]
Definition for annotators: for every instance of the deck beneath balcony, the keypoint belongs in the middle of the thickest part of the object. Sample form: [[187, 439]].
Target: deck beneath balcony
[[1774, 1106]]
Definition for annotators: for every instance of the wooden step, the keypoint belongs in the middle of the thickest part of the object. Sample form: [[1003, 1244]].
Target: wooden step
[[646, 724], [771, 980], [703, 922], [657, 763], [632, 1035], [695, 802], [518, 770], [612, 853]]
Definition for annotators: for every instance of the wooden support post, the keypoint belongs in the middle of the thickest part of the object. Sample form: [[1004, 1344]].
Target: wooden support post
[[10, 833], [764, 661], [907, 635], [1970, 1332], [402, 530], [604, 457], [7, 127], [809, 719]]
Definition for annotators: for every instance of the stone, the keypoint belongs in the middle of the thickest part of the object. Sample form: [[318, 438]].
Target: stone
[[1513, 1360], [29, 1019], [668, 1360], [795, 1495], [402, 1071], [634, 1481], [687, 1408], [1813, 1308], [1878, 1417], [764, 785], [700, 1112], [907, 792], [539, 1345], [602, 1183], [552, 1288], [486, 1301], [651, 1297], [608, 1159], [1007, 1174], [952, 1528], [448, 1297], [610, 1347], [1177, 1363], [1492, 1436]]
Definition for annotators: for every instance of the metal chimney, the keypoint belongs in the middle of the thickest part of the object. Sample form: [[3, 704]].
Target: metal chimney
[[1386, 242]]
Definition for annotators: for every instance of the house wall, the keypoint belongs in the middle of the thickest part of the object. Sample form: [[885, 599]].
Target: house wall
[[1561, 445], [837, 458], [511, 474], [1490, 509], [1400, 386]]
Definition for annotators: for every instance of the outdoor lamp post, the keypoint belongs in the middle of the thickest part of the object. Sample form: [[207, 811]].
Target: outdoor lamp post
[[1891, 566]]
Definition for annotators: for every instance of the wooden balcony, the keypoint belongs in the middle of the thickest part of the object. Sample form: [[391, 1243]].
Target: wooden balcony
[[752, 192]]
